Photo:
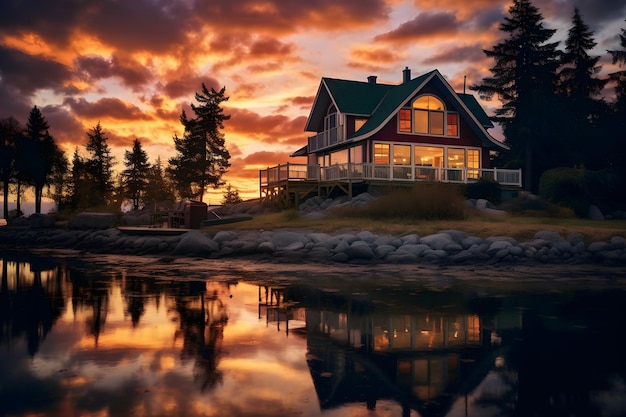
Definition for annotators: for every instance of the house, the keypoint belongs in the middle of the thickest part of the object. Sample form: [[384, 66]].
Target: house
[[371, 134]]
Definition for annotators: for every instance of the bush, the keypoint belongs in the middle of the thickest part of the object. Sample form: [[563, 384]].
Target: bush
[[424, 201], [578, 189], [565, 187], [488, 189], [530, 205]]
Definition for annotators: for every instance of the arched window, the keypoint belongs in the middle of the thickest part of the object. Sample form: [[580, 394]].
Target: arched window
[[330, 121], [428, 115]]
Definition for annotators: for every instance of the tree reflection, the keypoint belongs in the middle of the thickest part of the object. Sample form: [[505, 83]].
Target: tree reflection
[[30, 301], [202, 319], [92, 292]]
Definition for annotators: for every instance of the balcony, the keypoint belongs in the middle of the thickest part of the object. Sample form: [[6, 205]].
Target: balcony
[[325, 139], [393, 173]]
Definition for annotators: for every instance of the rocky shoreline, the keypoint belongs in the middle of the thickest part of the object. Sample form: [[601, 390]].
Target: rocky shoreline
[[447, 247]]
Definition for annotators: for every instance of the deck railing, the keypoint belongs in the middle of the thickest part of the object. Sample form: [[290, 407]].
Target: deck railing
[[398, 173]]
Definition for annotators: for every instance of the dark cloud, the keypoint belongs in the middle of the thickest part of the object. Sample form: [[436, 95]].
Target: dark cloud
[[423, 25], [110, 108], [594, 12], [29, 73], [465, 53], [271, 128], [66, 130], [187, 86], [131, 72], [286, 16]]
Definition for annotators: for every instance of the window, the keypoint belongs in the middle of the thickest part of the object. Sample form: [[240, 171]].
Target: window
[[428, 156], [453, 124], [358, 123], [473, 162], [405, 120], [356, 154], [428, 115], [381, 153], [402, 154], [456, 158], [339, 157], [330, 121]]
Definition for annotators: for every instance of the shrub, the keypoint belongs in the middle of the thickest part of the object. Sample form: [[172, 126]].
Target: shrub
[[530, 205], [488, 189], [424, 201], [565, 187]]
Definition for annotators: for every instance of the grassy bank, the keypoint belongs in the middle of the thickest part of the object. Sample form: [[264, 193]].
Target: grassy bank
[[520, 227]]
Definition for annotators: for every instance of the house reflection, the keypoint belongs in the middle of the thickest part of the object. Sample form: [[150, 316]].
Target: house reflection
[[423, 358]]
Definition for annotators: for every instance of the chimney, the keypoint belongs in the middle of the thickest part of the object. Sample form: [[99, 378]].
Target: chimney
[[371, 79], [406, 75]]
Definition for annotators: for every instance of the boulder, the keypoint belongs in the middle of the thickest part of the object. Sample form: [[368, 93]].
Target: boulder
[[92, 221], [196, 243]]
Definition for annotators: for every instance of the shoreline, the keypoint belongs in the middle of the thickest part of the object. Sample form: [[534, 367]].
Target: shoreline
[[285, 246]]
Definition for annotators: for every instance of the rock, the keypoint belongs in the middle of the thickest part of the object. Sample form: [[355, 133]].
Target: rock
[[224, 236], [618, 242], [596, 247], [195, 242], [548, 235], [40, 221], [92, 221], [359, 250], [437, 241], [594, 213], [289, 240], [381, 251]]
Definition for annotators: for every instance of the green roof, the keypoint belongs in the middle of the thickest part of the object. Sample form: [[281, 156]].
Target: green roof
[[380, 102]]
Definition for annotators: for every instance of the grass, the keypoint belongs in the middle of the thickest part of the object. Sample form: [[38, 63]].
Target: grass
[[520, 227]]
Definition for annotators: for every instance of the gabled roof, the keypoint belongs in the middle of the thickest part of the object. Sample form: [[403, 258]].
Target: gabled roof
[[381, 102]]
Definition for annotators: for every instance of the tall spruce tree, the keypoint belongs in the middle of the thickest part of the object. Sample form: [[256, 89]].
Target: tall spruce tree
[[135, 176], [581, 110], [617, 149], [42, 153], [10, 129], [100, 164], [524, 79], [202, 158], [158, 187]]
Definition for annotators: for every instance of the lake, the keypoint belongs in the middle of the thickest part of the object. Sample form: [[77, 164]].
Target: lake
[[124, 336]]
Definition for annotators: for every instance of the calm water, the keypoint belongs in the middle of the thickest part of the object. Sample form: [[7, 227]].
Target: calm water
[[129, 341]]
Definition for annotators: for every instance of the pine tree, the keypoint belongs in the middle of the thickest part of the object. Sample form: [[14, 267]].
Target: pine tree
[[134, 177], [524, 79], [100, 164], [231, 195], [202, 158], [41, 151], [158, 187], [580, 88], [10, 129], [617, 149]]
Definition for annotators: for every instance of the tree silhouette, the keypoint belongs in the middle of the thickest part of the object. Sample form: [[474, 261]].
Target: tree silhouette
[[100, 164], [134, 177], [10, 129], [158, 187], [201, 157], [524, 78], [580, 109]]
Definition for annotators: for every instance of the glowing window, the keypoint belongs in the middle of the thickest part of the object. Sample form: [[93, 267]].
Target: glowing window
[[381, 153], [405, 120], [402, 154]]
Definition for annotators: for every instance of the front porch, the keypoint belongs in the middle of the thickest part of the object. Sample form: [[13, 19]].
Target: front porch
[[287, 184]]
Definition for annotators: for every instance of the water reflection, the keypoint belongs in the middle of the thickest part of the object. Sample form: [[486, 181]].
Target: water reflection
[[76, 341]]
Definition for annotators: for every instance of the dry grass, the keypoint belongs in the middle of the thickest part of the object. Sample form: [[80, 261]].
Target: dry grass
[[476, 224]]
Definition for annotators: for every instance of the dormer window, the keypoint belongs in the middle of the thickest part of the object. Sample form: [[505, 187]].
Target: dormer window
[[428, 116]]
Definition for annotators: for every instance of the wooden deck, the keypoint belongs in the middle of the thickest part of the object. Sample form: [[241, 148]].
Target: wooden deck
[[288, 184]]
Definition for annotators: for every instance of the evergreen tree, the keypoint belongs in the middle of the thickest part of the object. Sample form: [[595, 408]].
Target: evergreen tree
[[41, 151], [10, 129], [617, 149], [59, 179], [231, 195], [158, 187], [619, 77], [524, 79], [202, 157], [580, 88], [135, 176], [100, 164]]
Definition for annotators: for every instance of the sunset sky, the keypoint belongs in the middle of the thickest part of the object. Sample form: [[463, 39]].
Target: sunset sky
[[134, 65]]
